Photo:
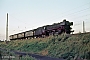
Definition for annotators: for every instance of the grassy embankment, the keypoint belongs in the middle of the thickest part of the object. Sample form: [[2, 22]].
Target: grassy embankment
[[6, 54], [61, 46]]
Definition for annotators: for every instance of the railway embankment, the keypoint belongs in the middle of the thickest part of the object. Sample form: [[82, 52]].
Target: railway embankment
[[62, 46]]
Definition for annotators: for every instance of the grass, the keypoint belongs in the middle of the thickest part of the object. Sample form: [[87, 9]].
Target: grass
[[64, 46], [6, 55]]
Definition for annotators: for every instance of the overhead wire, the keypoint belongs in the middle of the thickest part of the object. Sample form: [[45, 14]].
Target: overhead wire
[[72, 13], [65, 12], [73, 9]]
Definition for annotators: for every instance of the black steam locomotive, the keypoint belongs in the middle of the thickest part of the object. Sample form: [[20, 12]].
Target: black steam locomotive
[[56, 28]]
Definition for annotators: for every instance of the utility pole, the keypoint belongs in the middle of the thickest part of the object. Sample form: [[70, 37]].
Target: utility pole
[[83, 27], [7, 28]]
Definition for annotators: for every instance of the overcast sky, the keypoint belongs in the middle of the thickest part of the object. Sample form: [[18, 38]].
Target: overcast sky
[[29, 14]]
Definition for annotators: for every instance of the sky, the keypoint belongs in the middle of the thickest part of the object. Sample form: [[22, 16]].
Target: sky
[[29, 14]]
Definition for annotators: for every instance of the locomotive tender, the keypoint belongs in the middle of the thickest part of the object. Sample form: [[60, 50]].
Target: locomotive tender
[[56, 28]]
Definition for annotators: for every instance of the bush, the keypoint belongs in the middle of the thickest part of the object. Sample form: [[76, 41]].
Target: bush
[[67, 55], [27, 58]]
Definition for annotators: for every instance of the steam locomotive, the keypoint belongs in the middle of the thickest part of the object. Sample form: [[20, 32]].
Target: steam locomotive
[[56, 28]]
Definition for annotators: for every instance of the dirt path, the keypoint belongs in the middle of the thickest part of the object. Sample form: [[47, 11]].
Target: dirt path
[[38, 57]]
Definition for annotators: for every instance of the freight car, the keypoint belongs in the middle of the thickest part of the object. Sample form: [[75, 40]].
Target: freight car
[[13, 37], [39, 32], [29, 34], [56, 28]]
